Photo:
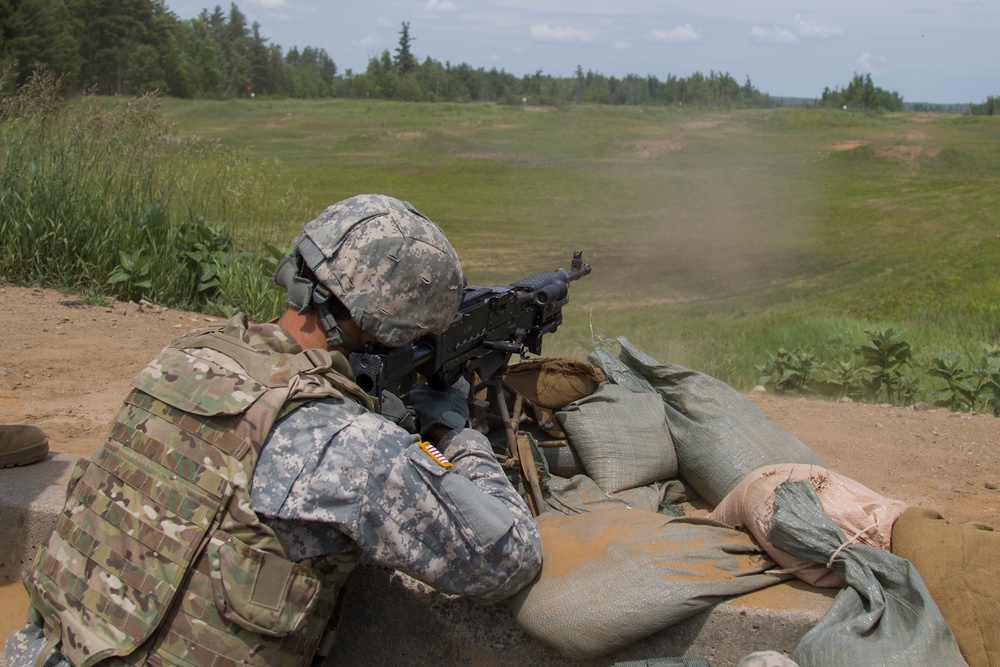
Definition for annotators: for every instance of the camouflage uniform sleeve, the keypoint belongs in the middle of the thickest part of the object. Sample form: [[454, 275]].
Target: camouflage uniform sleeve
[[25, 646], [458, 526]]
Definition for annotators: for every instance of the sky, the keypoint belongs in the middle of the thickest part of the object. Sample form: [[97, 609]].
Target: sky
[[935, 51]]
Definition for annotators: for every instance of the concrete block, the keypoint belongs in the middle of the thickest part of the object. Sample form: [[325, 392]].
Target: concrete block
[[391, 619], [30, 498]]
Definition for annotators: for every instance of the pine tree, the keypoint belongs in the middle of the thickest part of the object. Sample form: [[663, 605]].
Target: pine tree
[[405, 60]]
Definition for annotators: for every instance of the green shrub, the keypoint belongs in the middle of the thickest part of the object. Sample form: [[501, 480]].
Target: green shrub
[[960, 392], [790, 372], [879, 370], [887, 357]]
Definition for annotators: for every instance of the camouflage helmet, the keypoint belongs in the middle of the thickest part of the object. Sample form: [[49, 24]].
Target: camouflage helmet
[[385, 261]]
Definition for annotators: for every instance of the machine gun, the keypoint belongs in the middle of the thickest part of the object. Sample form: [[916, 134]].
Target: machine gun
[[492, 324]]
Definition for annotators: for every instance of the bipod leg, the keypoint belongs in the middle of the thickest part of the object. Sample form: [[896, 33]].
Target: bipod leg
[[518, 445]]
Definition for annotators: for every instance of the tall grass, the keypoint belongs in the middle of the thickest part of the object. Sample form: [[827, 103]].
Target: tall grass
[[100, 197]]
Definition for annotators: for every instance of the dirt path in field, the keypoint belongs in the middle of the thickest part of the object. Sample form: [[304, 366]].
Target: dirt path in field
[[65, 366]]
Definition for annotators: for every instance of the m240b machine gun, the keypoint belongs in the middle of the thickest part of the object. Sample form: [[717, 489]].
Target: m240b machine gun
[[492, 324]]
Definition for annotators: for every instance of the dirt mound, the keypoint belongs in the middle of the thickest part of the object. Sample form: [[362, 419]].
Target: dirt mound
[[65, 366]]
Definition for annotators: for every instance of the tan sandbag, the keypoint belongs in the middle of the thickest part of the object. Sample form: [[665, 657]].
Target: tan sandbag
[[856, 509], [552, 383], [960, 564]]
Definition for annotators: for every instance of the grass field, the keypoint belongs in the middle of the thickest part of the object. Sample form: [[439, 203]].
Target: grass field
[[715, 238]]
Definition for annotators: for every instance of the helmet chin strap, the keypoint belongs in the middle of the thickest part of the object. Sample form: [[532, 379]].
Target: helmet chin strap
[[305, 295], [335, 336]]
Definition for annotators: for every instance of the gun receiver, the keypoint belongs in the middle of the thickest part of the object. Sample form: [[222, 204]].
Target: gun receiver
[[492, 324]]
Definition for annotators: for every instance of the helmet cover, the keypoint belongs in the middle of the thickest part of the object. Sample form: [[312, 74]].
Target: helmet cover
[[389, 265]]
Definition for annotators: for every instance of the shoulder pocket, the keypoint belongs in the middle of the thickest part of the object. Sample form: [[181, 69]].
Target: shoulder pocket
[[196, 384], [482, 519]]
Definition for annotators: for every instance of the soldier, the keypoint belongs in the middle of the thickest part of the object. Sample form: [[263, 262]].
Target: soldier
[[246, 473]]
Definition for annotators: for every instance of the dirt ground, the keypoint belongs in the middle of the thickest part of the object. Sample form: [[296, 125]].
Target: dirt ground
[[65, 366]]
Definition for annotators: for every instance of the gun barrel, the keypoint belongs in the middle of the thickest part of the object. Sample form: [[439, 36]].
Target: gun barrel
[[577, 268]]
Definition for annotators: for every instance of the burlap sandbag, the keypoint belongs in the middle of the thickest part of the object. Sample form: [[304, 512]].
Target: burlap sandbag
[[621, 437], [613, 576], [552, 383], [581, 494], [855, 508], [960, 563]]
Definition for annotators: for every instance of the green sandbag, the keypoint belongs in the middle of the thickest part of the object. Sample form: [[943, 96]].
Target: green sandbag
[[614, 576], [719, 435]]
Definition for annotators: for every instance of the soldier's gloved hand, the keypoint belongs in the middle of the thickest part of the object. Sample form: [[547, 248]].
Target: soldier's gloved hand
[[448, 408], [394, 410]]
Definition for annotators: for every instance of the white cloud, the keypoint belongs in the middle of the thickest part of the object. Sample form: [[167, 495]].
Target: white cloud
[[272, 4], [812, 30], [371, 40], [801, 29], [621, 45], [543, 32], [773, 35], [977, 11], [684, 34], [439, 6], [866, 65]]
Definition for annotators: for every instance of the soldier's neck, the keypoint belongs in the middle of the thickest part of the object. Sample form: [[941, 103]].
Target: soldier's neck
[[305, 329]]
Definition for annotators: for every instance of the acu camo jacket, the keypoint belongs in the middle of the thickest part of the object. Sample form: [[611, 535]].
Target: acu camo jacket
[[333, 474], [333, 477]]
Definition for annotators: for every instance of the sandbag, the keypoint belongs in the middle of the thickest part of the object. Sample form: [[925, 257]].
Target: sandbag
[[613, 576], [581, 494], [960, 563], [618, 372], [885, 616], [562, 460], [856, 509], [552, 383], [719, 435], [621, 437]]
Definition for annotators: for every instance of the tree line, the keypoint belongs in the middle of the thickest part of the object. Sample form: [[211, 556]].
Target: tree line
[[988, 108], [113, 47]]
